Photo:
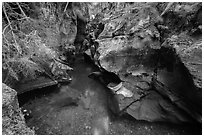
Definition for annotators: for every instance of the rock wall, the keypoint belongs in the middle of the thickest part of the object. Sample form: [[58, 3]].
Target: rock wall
[[13, 122], [155, 58]]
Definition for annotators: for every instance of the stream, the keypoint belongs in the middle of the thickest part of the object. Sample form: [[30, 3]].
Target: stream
[[81, 108]]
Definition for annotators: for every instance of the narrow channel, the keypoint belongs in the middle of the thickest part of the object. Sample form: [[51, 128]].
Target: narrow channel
[[81, 107]]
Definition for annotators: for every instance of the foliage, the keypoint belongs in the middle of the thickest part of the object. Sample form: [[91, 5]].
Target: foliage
[[20, 50]]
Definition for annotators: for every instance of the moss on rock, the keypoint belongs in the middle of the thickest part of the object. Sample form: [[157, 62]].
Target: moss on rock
[[13, 122]]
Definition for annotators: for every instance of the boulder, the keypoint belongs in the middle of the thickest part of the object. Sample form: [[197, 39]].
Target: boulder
[[13, 122], [189, 51], [181, 73], [128, 49], [162, 77]]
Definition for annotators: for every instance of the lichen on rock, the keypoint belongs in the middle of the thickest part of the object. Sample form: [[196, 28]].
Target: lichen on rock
[[13, 122]]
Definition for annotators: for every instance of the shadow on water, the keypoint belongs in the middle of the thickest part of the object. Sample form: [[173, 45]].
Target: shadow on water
[[81, 108]]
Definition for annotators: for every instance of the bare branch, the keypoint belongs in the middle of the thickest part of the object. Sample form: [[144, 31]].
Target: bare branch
[[167, 8], [66, 6], [9, 22], [6, 28], [21, 9]]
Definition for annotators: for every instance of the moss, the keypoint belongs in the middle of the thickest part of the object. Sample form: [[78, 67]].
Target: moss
[[13, 122]]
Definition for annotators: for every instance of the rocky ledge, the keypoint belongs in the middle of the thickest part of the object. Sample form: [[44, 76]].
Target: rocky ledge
[[13, 122], [163, 71]]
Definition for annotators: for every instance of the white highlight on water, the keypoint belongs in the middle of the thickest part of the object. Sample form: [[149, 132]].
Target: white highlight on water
[[102, 126]]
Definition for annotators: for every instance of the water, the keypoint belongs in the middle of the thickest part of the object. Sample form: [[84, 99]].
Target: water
[[81, 108]]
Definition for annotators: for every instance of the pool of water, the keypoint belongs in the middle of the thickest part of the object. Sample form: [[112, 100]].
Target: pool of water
[[81, 108]]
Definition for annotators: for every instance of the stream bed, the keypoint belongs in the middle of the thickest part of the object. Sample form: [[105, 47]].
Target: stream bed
[[81, 107]]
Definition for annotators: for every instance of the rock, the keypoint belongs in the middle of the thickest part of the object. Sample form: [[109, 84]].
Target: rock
[[129, 47], [118, 54], [59, 71], [154, 108], [87, 56], [184, 77], [125, 92], [27, 113], [114, 87], [123, 51], [105, 77], [87, 127], [119, 89], [190, 53], [181, 17], [13, 122]]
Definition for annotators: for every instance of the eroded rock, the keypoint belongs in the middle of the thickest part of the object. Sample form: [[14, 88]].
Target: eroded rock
[[189, 50], [182, 72], [130, 47], [13, 122]]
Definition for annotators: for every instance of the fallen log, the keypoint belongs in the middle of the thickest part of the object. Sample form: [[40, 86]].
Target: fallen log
[[38, 83]]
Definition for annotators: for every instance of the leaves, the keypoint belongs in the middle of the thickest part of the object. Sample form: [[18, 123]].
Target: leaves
[[19, 49]]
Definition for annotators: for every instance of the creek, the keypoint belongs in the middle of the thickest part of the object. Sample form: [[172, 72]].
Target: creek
[[81, 107]]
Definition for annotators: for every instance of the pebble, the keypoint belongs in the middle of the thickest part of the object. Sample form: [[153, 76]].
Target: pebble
[[87, 127], [151, 127]]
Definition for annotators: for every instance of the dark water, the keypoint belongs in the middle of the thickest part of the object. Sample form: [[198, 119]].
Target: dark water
[[81, 108]]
